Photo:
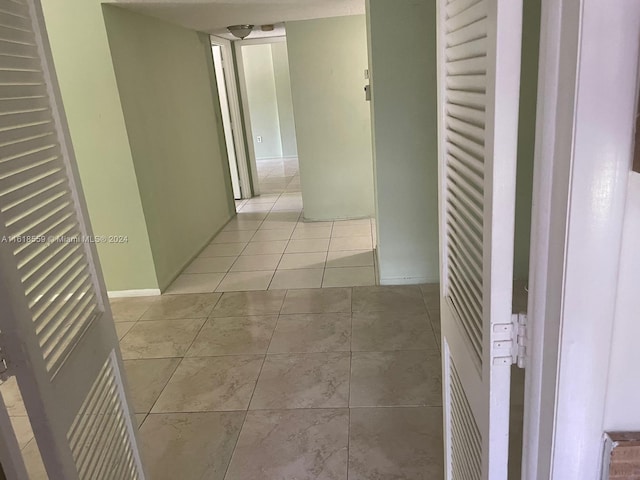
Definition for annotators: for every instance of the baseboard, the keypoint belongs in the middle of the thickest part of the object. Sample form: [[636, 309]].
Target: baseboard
[[147, 292], [404, 280], [334, 219]]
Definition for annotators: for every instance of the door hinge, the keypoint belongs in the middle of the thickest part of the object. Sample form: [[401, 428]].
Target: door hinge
[[519, 339]]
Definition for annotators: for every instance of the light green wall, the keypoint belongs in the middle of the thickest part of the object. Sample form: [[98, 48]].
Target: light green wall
[[404, 114], [262, 100], [90, 96], [166, 88], [285, 103], [526, 135], [327, 59]]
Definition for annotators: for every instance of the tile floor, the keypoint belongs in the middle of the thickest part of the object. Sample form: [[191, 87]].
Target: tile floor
[[319, 384], [274, 356], [269, 246]]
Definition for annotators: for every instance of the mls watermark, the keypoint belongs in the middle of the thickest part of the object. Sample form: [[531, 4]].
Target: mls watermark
[[51, 239]]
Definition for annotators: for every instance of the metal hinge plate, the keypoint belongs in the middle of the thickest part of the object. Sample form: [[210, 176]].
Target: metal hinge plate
[[509, 342], [519, 339]]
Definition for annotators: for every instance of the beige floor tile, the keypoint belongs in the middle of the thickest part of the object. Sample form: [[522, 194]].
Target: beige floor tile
[[434, 317], [380, 331], [351, 231], [237, 236], [265, 248], [350, 258], [182, 306], [350, 243], [210, 265], [211, 383], [12, 398], [290, 217], [146, 379], [308, 245], [239, 304], [326, 300], [256, 207], [252, 263], [223, 250], [312, 380], [130, 309], [272, 235], [245, 281], [234, 336], [122, 328], [388, 298], [283, 224], [263, 199], [290, 279], [140, 417], [293, 444], [403, 443], [23, 430], [348, 277], [33, 462], [304, 224], [188, 283], [307, 232], [304, 333], [388, 379], [160, 338], [293, 261], [353, 223], [189, 446], [237, 224]]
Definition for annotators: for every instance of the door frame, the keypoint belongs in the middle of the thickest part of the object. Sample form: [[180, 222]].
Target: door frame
[[231, 83], [238, 44], [584, 135]]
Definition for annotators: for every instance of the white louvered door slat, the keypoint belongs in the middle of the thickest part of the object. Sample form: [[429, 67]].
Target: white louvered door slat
[[56, 325], [479, 45]]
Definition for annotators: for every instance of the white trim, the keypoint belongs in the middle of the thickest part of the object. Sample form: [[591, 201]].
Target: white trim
[[558, 57], [236, 117], [148, 292], [586, 105], [403, 280], [247, 114], [227, 123]]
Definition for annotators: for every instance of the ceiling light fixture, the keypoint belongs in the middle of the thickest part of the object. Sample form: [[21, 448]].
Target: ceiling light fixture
[[240, 31]]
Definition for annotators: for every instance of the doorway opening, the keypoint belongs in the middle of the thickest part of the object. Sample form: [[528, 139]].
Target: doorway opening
[[231, 118], [263, 67]]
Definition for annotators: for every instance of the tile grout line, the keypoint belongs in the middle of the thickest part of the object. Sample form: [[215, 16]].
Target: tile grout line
[[246, 412]]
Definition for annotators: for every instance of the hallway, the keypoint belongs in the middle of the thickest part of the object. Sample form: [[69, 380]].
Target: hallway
[[268, 245], [298, 384]]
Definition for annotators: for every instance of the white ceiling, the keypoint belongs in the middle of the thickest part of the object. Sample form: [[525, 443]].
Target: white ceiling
[[213, 16]]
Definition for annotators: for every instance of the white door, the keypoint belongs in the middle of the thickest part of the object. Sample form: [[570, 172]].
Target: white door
[[479, 77], [226, 119], [58, 336]]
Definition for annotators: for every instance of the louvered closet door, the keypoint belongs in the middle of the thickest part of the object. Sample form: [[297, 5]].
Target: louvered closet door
[[479, 75], [55, 320]]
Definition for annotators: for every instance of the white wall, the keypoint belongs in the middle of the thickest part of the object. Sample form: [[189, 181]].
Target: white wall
[[402, 60], [327, 59], [284, 101], [623, 392], [262, 99]]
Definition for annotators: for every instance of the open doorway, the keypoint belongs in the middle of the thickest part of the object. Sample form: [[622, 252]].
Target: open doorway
[[267, 102], [231, 119]]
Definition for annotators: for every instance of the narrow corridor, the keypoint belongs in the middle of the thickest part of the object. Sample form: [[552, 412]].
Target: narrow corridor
[[268, 245]]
